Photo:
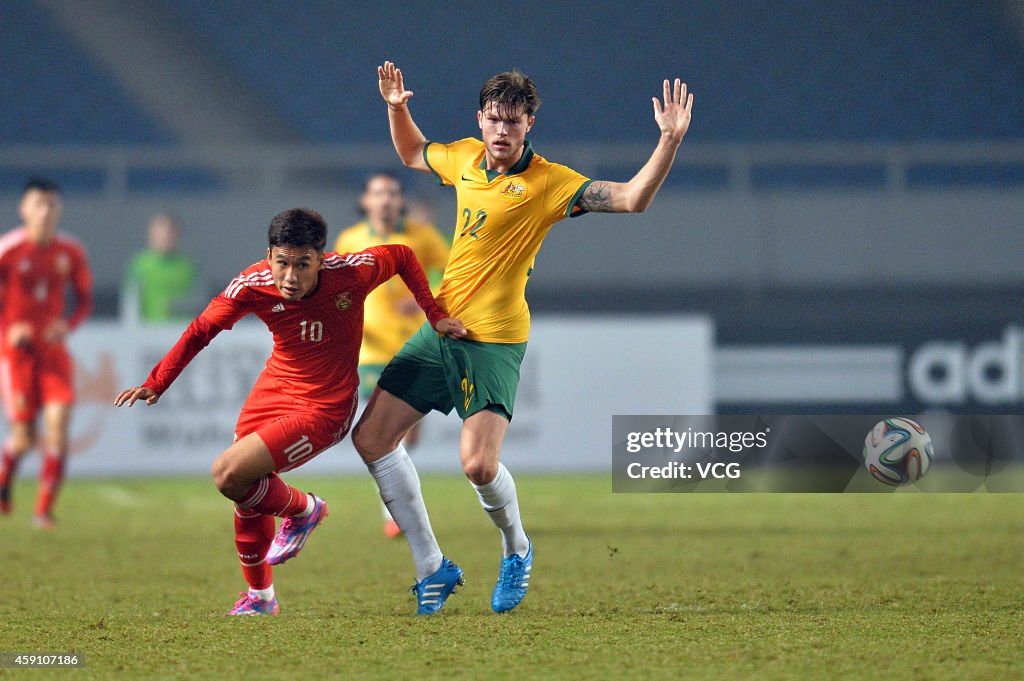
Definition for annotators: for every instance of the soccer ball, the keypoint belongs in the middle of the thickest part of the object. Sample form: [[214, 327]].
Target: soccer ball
[[898, 451]]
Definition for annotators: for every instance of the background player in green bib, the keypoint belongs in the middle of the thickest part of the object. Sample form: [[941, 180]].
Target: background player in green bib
[[508, 199], [161, 283]]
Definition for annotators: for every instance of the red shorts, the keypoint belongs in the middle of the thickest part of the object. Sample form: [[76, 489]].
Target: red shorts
[[31, 378], [294, 433]]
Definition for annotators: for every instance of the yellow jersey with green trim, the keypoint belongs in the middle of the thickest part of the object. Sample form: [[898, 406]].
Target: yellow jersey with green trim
[[501, 222], [391, 315]]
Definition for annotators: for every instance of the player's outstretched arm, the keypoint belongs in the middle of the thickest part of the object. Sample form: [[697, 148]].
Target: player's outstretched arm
[[408, 139], [196, 337], [673, 119], [139, 392]]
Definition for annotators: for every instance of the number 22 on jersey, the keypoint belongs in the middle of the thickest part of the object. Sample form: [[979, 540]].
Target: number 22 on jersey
[[472, 229]]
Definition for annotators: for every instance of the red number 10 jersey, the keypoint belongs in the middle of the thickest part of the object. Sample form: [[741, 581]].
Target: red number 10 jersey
[[317, 338]]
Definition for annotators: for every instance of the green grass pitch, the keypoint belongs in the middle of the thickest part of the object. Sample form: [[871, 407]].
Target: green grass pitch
[[702, 586]]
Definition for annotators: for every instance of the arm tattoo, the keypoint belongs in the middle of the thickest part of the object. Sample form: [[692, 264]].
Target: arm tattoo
[[597, 198]]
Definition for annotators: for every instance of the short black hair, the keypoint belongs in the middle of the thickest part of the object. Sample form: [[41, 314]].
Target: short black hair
[[509, 91], [300, 227], [41, 184]]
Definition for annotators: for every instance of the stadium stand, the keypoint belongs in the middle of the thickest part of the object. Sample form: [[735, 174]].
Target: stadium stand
[[783, 71], [815, 123], [881, 71], [55, 94]]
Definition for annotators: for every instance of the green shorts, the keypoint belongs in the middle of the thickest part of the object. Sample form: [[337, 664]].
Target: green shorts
[[368, 375], [436, 372]]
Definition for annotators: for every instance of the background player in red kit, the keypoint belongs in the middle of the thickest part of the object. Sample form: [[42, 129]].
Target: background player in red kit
[[36, 372], [304, 400]]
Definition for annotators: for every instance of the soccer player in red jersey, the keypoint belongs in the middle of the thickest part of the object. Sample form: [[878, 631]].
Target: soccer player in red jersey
[[304, 399], [36, 372]]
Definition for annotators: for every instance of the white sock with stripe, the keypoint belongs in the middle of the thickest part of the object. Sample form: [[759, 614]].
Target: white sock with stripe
[[262, 594], [310, 505], [498, 497], [399, 486]]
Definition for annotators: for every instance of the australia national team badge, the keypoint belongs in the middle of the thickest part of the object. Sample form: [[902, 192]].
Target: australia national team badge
[[343, 300], [513, 191]]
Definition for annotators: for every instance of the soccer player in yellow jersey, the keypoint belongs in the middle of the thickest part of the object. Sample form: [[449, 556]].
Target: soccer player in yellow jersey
[[508, 199], [392, 314]]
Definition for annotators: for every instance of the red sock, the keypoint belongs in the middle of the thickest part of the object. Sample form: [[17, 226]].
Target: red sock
[[254, 532], [8, 468], [271, 495], [49, 483]]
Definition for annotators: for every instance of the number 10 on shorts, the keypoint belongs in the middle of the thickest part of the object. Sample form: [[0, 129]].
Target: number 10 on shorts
[[299, 450]]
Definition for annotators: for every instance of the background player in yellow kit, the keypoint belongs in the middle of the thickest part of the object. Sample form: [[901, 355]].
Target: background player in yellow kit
[[508, 199], [391, 312]]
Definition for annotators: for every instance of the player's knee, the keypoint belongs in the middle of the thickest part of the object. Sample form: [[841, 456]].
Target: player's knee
[[369, 443], [20, 440], [412, 438], [360, 440], [57, 445], [227, 479], [18, 449], [480, 471], [219, 473]]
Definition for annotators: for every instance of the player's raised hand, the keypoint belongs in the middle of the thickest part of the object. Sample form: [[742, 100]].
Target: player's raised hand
[[392, 87], [137, 393], [451, 327], [673, 116]]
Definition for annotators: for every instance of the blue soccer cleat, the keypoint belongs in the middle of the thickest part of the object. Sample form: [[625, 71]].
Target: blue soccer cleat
[[513, 581], [294, 532], [248, 605], [431, 592]]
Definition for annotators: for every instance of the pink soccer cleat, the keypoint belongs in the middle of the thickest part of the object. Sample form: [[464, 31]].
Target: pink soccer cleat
[[295, 532], [248, 605]]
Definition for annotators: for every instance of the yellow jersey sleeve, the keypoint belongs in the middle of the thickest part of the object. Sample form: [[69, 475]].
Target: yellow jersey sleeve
[[564, 188], [446, 161]]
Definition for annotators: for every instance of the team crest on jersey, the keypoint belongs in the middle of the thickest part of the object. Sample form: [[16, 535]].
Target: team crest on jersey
[[63, 264], [513, 191], [343, 301]]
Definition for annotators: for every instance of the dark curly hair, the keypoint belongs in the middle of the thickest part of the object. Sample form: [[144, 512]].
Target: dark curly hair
[[510, 90], [298, 227]]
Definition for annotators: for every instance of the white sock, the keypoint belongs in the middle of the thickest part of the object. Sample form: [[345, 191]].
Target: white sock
[[387, 513], [399, 487], [310, 504], [263, 594], [498, 497]]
